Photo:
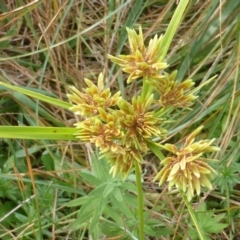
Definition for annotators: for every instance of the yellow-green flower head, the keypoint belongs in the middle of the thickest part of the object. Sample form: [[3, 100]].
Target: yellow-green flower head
[[187, 169], [86, 103], [138, 123], [122, 163], [103, 131], [143, 61], [173, 93]]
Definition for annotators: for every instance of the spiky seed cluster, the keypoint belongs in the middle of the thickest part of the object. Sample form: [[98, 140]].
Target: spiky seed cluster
[[173, 93], [123, 134], [143, 61], [120, 134], [87, 103], [187, 169], [140, 124], [103, 131], [123, 162]]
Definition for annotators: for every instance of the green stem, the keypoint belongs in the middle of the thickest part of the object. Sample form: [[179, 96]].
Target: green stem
[[140, 201], [194, 219], [147, 89]]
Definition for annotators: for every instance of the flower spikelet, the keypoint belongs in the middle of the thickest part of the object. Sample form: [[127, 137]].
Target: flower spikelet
[[103, 131], [174, 93], [123, 162], [143, 61], [138, 123], [86, 103], [188, 169]]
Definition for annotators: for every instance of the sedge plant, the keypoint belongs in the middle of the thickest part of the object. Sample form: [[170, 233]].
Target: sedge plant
[[125, 131]]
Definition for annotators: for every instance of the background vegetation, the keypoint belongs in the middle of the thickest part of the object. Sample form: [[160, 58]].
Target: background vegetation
[[59, 189]]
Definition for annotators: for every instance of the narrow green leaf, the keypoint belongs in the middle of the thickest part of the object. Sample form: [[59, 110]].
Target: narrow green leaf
[[98, 210], [29, 132], [98, 191], [173, 25], [39, 96], [109, 188], [48, 162], [91, 179], [117, 194], [156, 150], [78, 202], [82, 219], [100, 167], [123, 207], [25, 101]]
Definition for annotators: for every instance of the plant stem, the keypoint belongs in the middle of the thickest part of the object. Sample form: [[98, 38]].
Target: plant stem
[[194, 219], [147, 89], [140, 201]]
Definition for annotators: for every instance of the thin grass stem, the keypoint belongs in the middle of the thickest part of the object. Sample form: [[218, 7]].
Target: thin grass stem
[[147, 89], [193, 217], [140, 201]]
